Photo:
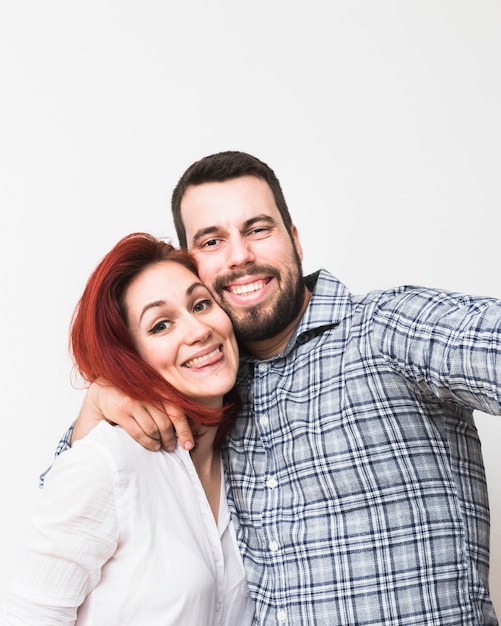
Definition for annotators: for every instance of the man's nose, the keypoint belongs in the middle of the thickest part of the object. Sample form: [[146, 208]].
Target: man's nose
[[239, 252]]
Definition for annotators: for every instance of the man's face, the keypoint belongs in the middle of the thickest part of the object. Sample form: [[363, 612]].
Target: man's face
[[245, 254]]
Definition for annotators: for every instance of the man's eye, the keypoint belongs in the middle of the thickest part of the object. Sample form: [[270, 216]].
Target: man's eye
[[259, 232], [210, 243]]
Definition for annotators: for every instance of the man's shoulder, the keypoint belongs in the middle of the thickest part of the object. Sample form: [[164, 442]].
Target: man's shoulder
[[332, 300], [326, 289]]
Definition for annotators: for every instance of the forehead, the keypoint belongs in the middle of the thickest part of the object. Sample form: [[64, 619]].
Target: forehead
[[165, 279], [222, 205]]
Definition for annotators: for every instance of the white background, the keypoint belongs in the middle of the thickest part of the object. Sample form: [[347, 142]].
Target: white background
[[381, 119]]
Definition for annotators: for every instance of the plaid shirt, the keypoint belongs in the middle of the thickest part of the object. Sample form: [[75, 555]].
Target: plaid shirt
[[356, 472]]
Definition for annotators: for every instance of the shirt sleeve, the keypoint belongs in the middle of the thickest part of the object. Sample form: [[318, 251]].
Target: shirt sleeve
[[74, 532], [446, 344], [64, 444]]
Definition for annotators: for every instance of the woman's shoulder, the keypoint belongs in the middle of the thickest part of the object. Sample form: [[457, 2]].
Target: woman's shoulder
[[112, 442]]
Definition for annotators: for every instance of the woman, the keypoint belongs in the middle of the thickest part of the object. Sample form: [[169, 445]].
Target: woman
[[125, 536]]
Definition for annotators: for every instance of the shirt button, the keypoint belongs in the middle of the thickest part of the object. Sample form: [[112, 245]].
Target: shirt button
[[273, 546], [263, 367], [282, 616], [272, 483], [263, 420], [219, 606]]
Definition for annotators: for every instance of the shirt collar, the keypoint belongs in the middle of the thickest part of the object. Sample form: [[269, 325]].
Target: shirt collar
[[329, 304]]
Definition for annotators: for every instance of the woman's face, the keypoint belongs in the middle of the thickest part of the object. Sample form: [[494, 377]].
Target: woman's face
[[181, 332]]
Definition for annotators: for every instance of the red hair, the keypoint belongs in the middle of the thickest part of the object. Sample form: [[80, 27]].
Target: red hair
[[100, 341]]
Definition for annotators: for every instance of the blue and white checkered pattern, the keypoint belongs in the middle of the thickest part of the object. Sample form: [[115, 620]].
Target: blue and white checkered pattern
[[355, 468]]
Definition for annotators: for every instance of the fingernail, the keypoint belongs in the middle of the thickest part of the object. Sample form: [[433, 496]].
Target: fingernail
[[188, 445]]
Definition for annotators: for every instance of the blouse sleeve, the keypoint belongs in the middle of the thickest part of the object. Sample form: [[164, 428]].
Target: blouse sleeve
[[74, 532]]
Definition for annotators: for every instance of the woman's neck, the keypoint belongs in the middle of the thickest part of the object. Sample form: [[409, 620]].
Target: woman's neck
[[207, 462]]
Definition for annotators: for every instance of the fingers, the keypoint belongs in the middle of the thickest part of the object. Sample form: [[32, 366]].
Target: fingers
[[142, 428], [158, 426], [139, 420], [179, 426], [105, 402], [151, 426], [155, 428]]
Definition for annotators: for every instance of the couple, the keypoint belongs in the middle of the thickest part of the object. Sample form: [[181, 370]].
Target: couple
[[355, 473]]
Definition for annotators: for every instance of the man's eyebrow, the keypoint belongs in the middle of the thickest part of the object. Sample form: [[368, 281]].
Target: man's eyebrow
[[211, 230], [208, 230], [263, 217]]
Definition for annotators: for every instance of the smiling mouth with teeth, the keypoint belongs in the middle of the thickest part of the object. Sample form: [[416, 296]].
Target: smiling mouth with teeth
[[241, 290], [199, 361]]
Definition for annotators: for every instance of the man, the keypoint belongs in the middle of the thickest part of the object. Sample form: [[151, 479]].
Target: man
[[355, 468]]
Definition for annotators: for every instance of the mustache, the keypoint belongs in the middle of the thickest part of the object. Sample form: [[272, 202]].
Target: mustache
[[226, 279]]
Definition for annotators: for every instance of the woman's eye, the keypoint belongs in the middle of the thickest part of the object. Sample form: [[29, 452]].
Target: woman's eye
[[159, 327], [202, 305]]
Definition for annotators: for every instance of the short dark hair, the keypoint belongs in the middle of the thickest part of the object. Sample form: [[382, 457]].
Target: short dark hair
[[217, 168]]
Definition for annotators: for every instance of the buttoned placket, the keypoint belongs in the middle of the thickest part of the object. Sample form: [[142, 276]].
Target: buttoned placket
[[263, 380], [214, 532]]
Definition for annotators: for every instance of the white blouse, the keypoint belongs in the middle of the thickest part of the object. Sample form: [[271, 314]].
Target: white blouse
[[126, 537]]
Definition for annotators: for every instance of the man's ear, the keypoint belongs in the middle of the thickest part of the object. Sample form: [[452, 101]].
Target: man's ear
[[297, 242]]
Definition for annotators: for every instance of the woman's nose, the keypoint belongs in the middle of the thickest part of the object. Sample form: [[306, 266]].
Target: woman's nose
[[196, 330]]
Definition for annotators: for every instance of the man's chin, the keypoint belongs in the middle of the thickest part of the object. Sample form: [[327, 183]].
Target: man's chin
[[256, 328], [246, 326]]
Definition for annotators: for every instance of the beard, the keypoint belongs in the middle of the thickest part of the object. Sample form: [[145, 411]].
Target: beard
[[260, 322]]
